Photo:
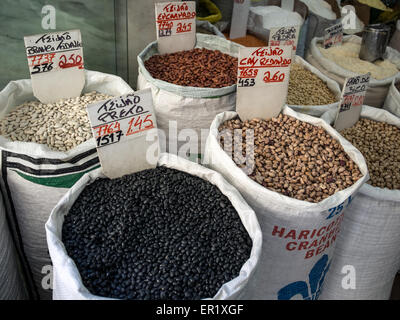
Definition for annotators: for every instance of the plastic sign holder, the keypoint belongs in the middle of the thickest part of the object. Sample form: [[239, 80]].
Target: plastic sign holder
[[121, 126], [56, 65]]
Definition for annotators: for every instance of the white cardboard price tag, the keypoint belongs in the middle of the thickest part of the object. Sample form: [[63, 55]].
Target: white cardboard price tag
[[56, 65], [333, 36], [263, 78], [121, 127], [351, 102], [240, 15], [176, 26], [284, 36]]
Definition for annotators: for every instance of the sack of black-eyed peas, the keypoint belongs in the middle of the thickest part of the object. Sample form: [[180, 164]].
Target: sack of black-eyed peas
[[12, 286], [45, 149]]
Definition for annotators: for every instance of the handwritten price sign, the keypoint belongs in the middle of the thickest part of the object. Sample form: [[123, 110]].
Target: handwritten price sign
[[51, 54], [284, 36], [263, 75], [176, 26], [352, 99], [120, 126], [54, 51], [333, 36]]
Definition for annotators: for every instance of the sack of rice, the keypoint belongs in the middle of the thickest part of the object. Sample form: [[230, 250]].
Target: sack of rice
[[341, 62]]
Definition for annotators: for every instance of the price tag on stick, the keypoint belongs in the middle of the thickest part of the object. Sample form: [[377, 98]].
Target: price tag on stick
[[284, 36], [351, 102], [263, 78], [333, 36], [120, 126], [176, 26], [56, 65]]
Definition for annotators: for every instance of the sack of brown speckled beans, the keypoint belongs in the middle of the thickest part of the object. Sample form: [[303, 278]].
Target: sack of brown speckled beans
[[299, 175], [45, 149], [310, 91], [370, 235], [189, 89]]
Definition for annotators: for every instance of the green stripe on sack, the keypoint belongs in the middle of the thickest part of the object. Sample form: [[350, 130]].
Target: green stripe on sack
[[66, 181]]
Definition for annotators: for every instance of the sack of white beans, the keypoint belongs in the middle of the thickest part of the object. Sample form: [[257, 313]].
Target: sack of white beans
[[341, 62], [12, 286], [71, 279], [314, 87], [298, 235], [367, 254], [392, 102], [45, 149]]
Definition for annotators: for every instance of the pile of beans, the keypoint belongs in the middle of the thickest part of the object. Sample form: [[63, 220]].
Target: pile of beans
[[61, 126], [292, 157], [194, 68], [305, 88], [379, 144], [155, 234]]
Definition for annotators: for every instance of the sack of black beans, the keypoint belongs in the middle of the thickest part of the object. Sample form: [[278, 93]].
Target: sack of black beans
[[310, 91], [299, 175], [367, 254], [12, 286], [189, 89], [341, 62], [392, 102], [178, 231], [45, 149]]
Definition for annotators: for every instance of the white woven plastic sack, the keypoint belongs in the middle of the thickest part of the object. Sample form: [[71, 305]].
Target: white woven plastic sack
[[319, 110], [392, 102], [209, 27], [34, 177], [370, 237], [190, 108], [11, 281], [298, 236], [67, 280], [263, 18], [377, 89]]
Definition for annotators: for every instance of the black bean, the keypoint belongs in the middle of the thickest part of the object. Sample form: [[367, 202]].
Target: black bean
[[130, 241]]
